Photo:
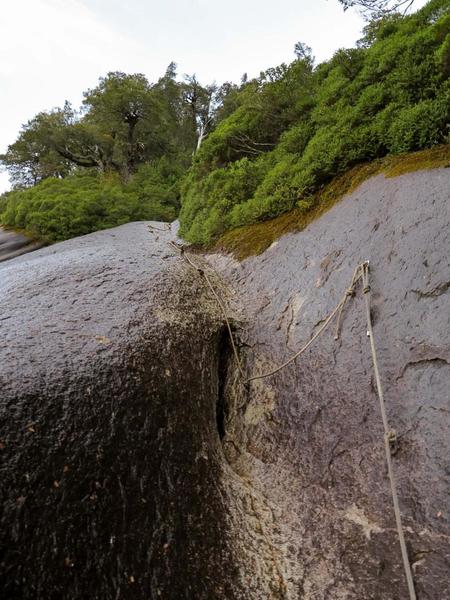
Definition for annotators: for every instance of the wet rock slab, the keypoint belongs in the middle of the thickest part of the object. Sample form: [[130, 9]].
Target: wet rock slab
[[14, 244], [136, 464], [111, 462], [311, 438]]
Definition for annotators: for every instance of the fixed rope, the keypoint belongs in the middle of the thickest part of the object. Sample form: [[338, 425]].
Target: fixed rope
[[360, 273], [201, 272], [338, 310], [389, 434]]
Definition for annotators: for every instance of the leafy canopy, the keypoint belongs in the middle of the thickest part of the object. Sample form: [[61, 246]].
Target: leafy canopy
[[124, 122], [297, 126], [378, 8], [235, 154], [120, 157]]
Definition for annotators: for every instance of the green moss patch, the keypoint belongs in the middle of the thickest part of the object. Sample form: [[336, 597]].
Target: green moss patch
[[252, 240]]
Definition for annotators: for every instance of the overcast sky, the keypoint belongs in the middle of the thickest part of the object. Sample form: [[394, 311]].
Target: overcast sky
[[53, 50]]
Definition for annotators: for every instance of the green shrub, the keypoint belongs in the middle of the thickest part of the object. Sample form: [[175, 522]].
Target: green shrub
[[58, 209], [296, 129], [419, 126]]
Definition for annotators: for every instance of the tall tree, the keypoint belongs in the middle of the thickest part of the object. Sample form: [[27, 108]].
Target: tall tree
[[201, 104], [124, 109], [181, 134], [125, 121], [304, 52], [34, 155]]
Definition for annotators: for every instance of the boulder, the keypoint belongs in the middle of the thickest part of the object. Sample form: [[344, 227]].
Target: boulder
[[310, 438], [138, 463], [112, 465]]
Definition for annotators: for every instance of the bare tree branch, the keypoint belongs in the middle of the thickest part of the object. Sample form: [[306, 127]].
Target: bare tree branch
[[371, 8], [243, 143]]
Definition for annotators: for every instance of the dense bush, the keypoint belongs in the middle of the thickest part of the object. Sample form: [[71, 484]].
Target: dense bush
[[118, 158], [260, 148], [297, 127], [57, 209]]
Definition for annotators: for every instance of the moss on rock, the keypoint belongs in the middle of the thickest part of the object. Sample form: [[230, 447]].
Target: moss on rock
[[252, 240]]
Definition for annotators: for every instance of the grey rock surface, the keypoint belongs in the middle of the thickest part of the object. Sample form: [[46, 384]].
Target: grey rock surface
[[135, 462], [14, 244], [310, 439], [112, 468]]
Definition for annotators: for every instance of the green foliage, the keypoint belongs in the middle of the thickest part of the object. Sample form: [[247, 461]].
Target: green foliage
[[57, 209], [236, 154], [420, 126], [255, 238], [33, 156], [377, 8], [125, 122], [121, 157], [297, 127], [225, 188]]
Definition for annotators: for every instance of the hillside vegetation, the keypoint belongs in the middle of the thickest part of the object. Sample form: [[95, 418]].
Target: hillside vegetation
[[235, 155], [58, 209], [297, 127], [119, 158]]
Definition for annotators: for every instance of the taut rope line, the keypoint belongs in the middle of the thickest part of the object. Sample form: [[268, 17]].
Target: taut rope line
[[361, 273], [389, 435]]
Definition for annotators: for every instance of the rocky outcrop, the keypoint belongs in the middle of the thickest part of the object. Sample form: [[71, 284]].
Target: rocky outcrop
[[112, 468], [311, 438], [14, 244], [137, 464]]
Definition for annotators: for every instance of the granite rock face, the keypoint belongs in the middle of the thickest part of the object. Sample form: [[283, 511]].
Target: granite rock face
[[137, 464], [112, 477], [311, 437]]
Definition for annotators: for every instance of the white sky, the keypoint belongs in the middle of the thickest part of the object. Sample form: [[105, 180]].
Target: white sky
[[53, 50]]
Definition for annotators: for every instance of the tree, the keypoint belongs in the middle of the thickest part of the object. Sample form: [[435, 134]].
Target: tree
[[34, 155], [303, 52], [228, 99], [201, 103], [118, 129], [177, 103], [123, 109], [54, 143], [125, 121], [377, 8]]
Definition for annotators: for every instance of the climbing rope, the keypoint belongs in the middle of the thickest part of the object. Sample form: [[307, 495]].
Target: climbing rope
[[201, 272], [389, 434], [339, 309], [361, 273]]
